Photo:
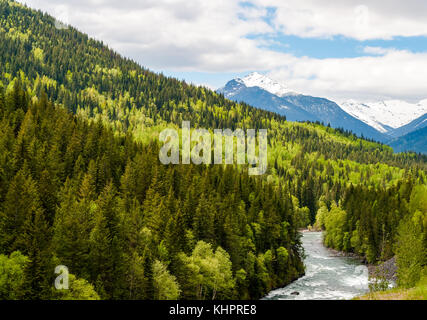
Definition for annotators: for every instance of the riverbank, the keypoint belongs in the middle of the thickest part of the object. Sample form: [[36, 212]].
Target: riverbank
[[417, 293], [386, 270]]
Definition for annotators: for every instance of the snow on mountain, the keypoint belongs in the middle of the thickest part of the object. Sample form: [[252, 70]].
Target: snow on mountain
[[256, 79], [385, 115], [414, 125], [382, 121], [265, 93]]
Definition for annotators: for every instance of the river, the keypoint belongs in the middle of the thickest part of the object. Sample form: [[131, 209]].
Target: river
[[327, 277]]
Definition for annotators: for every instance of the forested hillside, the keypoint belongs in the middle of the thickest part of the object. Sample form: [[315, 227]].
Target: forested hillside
[[74, 193], [81, 184]]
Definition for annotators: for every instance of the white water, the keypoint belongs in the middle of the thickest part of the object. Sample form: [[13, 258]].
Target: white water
[[327, 277]]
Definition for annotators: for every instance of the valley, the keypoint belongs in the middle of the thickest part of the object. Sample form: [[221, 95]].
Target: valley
[[82, 184]]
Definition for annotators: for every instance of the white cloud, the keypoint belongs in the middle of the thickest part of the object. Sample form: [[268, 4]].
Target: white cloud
[[173, 34], [396, 74], [212, 36], [374, 19], [377, 50]]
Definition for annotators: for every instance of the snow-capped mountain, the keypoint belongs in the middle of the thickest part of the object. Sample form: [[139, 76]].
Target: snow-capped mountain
[[385, 116], [417, 124], [256, 79], [398, 123], [265, 93]]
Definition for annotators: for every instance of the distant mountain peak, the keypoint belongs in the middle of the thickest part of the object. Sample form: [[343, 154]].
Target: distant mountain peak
[[383, 115], [256, 79], [265, 93]]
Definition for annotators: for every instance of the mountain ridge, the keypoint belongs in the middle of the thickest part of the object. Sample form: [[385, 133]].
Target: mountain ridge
[[81, 183], [382, 121], [414, 125], [387, 115], [410, 141], [295, 106]]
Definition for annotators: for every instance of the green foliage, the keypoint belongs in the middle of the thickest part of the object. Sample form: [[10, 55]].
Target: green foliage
[[302, 215], [379, 224], [282, 256], [165, 285], [410, 253], [78, 289], [103, 205], [378, 284], [334, 226], [419, 292], [210, 273], [321, 215], [12, 276], [81, 183]]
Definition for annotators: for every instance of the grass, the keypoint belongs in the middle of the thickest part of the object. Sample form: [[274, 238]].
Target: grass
[[419, 292]]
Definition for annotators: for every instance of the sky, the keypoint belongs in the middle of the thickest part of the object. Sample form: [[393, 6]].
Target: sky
[[348, 49]]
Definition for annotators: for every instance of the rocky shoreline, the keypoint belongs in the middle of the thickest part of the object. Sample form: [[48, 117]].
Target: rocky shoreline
[[385, 270]]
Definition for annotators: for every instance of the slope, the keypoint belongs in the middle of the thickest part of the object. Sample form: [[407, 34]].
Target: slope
[[263, 92], [414, 141], [414, 125], [115, 98], [386, 116]]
